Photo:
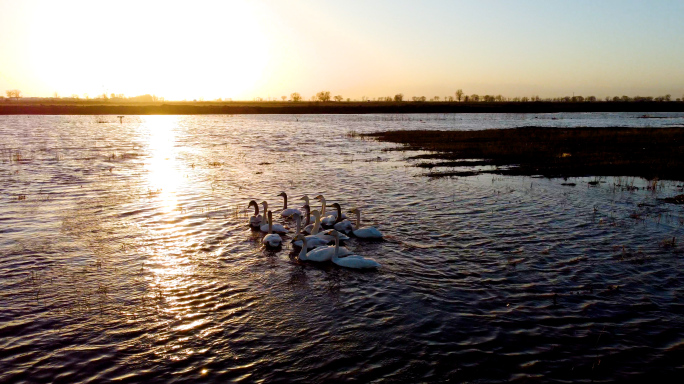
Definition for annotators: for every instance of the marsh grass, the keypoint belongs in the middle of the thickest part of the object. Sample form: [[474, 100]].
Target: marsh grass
[[651, 153]]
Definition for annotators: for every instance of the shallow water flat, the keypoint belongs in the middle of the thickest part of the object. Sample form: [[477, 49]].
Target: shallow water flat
[[125, 255]]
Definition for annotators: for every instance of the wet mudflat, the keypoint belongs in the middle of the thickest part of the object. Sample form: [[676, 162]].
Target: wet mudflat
[[651, 153], [125, 254]]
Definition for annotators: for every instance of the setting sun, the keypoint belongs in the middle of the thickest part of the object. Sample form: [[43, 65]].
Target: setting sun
[[215, 50]]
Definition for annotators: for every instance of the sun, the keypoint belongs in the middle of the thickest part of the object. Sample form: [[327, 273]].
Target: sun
[[212, 50]]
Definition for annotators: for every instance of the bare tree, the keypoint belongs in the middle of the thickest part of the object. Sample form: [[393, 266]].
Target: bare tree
[[323, 96], [399, 97], [13, 93], [338, 98], [459, 94], [283, 97], [475, 97], [436, 98], [296, 96]]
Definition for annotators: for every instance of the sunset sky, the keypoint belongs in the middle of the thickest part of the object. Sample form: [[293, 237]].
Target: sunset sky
[[241, 50]]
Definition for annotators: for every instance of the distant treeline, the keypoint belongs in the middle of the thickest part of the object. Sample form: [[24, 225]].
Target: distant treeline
[[15, 95], [198, 108]]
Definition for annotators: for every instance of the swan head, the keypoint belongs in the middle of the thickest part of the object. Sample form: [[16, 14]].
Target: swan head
[[300, 237], [253, 203], [354, 210], [336, 206], [316, 214], [319, 197], [265, 204], [283, 194], [305, 198]]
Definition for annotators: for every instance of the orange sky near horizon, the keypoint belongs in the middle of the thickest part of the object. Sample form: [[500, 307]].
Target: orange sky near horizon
[[242, 50]]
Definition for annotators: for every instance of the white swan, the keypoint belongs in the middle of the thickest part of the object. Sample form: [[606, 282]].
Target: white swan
[[255, 221], [365, 232], [315, 231], [287, 212], [341, 225], [353, 261], [272, 239], [323, 211], [327, 253], [310, 242], [302, 253], [277, 228]]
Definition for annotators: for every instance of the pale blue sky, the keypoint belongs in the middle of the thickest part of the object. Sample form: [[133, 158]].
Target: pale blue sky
[[354, 48]]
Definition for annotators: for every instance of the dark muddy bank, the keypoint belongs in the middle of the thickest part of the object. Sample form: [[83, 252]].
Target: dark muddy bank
[[552, 152]]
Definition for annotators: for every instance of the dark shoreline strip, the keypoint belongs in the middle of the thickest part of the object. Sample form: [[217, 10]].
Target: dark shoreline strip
[[551, 152]]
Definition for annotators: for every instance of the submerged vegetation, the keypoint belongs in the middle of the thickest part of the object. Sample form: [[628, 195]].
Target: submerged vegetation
[[553, 152]]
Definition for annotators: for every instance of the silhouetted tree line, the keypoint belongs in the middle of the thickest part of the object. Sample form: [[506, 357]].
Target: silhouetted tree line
[[326, 96]]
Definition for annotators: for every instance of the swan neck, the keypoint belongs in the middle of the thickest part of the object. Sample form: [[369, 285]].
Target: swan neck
[[308, 214], [317, 225], [299, 224], [358, 219], [270, 224], [339, 214], [302, 253], [256, 207], [284, 201], [322, 207]]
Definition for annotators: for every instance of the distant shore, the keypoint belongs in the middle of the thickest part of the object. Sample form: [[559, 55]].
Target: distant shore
[[651, 153], [95, 107]]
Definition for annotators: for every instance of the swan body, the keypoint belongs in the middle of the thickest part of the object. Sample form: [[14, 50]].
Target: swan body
[[311, 242], [329, 220], [339, 224], [272, 239], [328, 232], [368, 233], [277, 228], [255, 220], [287, 212], [307, 242], [327, 253], [325, 235], [365, 232], [352, 261], [343, 226], [355, 262]]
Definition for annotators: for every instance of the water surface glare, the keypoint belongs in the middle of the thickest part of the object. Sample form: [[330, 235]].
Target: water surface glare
[[125, 255]]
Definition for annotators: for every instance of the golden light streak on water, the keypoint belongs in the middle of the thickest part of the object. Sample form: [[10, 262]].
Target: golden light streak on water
[[164, 177]]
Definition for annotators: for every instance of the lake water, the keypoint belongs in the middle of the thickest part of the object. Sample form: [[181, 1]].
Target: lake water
[[125, 255]]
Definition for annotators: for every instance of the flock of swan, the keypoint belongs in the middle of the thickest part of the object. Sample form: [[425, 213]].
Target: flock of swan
[[315, 238]]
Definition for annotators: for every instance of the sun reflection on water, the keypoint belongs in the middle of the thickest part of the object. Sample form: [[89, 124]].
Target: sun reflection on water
[[163, 176]]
